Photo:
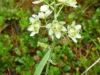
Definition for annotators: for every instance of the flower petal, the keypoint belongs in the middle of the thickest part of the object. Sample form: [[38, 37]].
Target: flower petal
[[62, 22], [50, 32], [37, 2], [64, 29], [30, 28], [58, 34], [34, 15], [78, 36], [48, 25], [32, 19], [73, 5], [44, 8], [47, 13], [41, 15], [74, 39], [73, 23], [33, 33], [78, 27]]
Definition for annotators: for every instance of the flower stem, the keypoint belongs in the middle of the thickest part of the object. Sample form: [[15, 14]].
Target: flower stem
[[59, 10], [42, 26], [49, 4], [55, 14], [45, 21], [48, 63]]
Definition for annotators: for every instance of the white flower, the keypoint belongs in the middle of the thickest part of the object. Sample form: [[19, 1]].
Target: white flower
[[73, 31], [71, 3], [45, 12], [44, 8], [35, 26], [44, 15], [55, 28], [37, 2]]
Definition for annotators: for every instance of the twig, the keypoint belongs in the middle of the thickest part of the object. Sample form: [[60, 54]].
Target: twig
[[20, 3], [90, 5], [91, 66]]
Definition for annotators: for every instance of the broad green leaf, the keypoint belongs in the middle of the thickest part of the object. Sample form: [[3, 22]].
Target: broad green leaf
[[42, 63]]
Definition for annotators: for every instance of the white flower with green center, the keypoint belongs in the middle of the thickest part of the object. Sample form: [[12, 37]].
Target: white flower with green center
[[55, 28], [71, 3], [37, 2], [73, 31], [35, 26]]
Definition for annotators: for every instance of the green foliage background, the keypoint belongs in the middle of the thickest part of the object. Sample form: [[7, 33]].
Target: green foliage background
[[20, 54]]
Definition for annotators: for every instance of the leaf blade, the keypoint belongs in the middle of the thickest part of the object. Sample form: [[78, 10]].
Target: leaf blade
[[42, 63]]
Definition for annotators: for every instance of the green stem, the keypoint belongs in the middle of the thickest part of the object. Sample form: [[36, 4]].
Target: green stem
[[60, 10], [43, 26], [48, 63], [55, 14], [45, 21], [49, 4]]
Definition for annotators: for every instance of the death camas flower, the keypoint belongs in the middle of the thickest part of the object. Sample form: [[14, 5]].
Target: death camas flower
[[35, 25], [73, 31], [71, 3], [55, 28], [45, 12]]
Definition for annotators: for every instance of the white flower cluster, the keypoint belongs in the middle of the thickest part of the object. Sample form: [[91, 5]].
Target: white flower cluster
[[56, 28], [34, 20], [65, 2]]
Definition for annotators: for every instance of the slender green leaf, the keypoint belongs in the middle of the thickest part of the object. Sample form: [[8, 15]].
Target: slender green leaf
[[42, 63]]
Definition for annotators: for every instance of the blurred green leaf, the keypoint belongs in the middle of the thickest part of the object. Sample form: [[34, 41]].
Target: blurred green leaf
[[17, 51], [66, 68], [71, 16]]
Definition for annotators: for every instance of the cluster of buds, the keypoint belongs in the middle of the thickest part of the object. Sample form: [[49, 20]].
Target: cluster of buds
[[55, 28]]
